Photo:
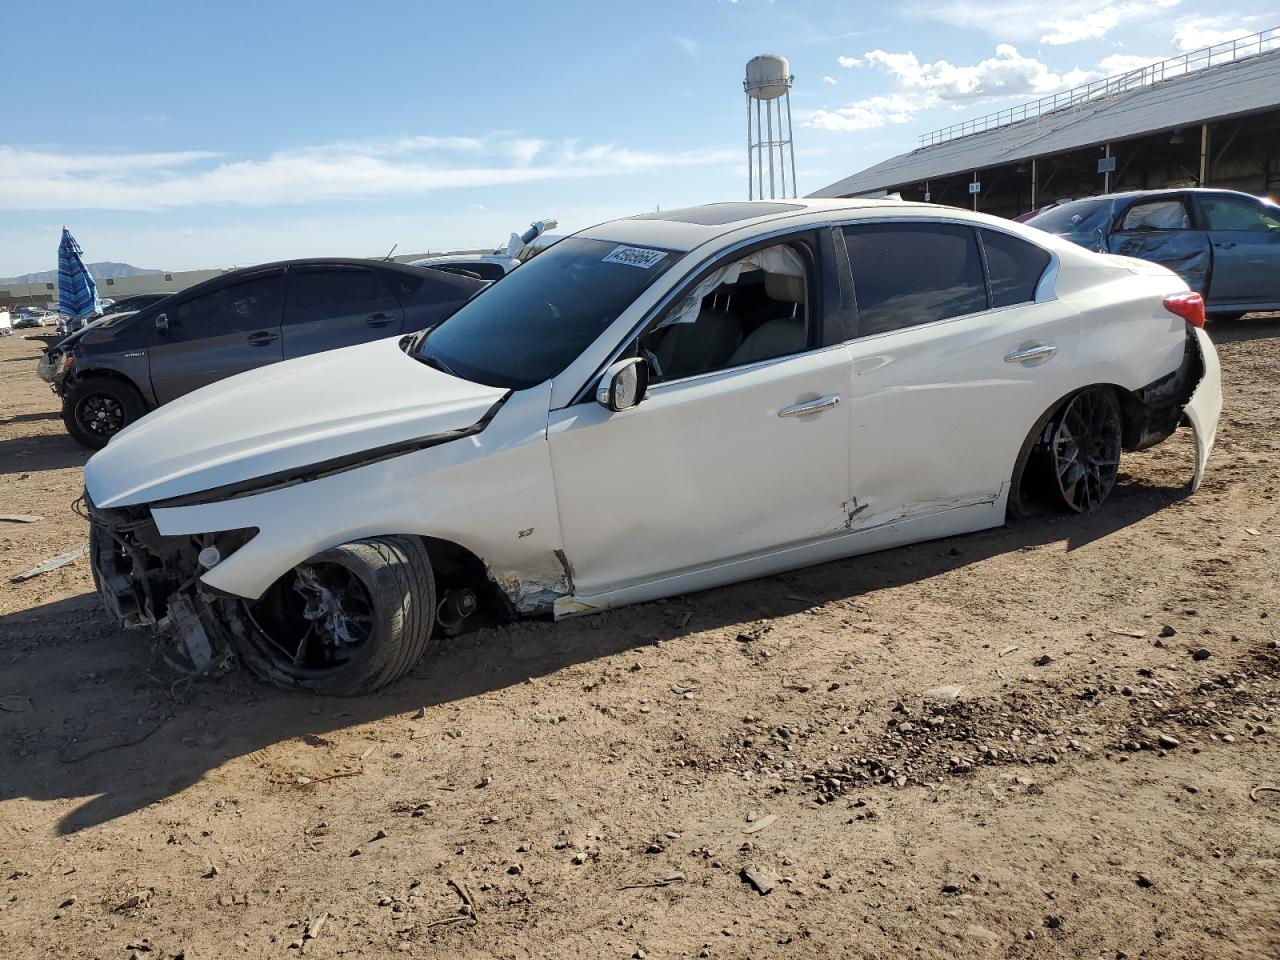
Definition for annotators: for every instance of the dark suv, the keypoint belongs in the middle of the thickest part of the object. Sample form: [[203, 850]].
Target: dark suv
[[112, 372]]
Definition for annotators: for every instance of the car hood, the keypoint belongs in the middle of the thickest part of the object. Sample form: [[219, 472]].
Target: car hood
[[286, 416]]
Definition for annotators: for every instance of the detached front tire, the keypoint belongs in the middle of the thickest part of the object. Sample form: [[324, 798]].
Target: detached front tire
[[348, 621], [96, 409]]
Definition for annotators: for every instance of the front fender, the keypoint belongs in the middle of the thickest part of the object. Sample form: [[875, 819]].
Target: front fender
[[490, 493]]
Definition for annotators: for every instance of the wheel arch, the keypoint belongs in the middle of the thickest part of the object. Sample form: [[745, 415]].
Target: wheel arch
[[456, 567], [1131, 406], [106, 373]]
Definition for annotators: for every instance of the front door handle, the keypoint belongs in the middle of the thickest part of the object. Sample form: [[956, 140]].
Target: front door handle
[[810, 406], [262, 339], [1224, 244], [1033, 353], [378, 320]]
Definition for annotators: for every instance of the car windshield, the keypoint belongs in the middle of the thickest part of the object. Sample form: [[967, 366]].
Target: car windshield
[[535, 321], [1076, 218]]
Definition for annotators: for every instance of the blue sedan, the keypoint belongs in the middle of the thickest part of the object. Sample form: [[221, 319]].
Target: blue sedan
[[1225, 245]]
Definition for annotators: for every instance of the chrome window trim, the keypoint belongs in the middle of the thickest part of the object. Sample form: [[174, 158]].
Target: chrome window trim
[[1046, 289]]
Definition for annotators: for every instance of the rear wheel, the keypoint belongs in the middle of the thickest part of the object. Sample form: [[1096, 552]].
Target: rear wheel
[[95, 410], [1084, 445], [349, 620]]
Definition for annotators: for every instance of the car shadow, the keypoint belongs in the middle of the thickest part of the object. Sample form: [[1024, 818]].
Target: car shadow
[[32, 454], [31, 417], [1252, 326], [101, 725]]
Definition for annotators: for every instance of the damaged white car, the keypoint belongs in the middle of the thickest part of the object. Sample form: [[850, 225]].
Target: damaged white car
[[653, 406]]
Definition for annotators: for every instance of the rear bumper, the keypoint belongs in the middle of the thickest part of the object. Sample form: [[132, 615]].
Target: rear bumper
[[1205, 406]]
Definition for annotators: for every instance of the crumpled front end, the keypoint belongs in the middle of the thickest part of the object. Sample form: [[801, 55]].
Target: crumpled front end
[[146, 579]]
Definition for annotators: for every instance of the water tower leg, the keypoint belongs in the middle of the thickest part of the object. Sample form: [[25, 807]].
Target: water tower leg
[[759, 155], [750, 185], [792, 144], [768, 116]]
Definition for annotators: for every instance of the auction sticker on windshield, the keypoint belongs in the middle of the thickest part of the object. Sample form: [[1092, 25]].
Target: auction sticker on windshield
[[635, 256]]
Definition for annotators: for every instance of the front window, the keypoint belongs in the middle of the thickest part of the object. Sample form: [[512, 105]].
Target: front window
[[528, 328], [1079, 218], [1169, 214]]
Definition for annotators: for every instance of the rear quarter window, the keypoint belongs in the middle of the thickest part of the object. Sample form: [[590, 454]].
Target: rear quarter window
[[1014, 267]]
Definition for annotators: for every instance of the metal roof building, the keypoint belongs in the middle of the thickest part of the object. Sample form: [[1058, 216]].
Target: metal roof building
[[1208, 118]]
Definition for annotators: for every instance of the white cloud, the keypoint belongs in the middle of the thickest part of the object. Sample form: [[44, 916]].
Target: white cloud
[[1119, 63], [1199, 32], [829, 79], [1007, 74], [921, 86], [1064, 22], [689, 45], [867, 114], [847, 62], [48, 180]]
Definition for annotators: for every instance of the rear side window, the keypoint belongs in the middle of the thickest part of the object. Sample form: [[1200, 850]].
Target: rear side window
[[1231, 213], [1014, 268], [1157, 215], [237, 306], [401, 284], [906, 274], [428, 285], [328, 288]]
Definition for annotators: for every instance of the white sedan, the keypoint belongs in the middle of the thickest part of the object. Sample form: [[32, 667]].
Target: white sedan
[[655, 405]]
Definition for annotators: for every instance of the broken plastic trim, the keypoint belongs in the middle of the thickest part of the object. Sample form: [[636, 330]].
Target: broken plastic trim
[[325, 468]]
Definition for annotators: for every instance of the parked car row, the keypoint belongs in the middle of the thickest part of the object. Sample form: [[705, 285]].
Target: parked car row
[[655, 405], [1225, 245], [114, 370]]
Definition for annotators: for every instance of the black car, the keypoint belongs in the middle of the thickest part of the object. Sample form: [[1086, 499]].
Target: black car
[[139, 301], [1225, 245], [112, 372]]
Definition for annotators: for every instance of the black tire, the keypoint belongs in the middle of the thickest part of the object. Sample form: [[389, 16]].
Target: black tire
[[348, 621], [1084, 442], [96, 409]]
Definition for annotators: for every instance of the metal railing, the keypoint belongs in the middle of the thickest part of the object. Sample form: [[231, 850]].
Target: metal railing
[[1219, 53]]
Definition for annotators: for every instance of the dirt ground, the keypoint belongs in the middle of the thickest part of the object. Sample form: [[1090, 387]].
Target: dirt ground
[[597, 788]]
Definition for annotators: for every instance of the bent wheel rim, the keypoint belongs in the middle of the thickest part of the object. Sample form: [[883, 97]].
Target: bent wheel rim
[[1086, 451], [100, 414], [317, 618]]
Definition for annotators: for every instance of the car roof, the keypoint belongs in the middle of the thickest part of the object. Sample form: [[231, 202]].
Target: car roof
[[1163, 191], [689, 227]]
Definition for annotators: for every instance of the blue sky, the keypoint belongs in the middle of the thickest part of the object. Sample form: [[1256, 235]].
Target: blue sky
[[197, 135]]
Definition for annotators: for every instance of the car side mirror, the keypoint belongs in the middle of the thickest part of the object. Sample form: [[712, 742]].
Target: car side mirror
[[624, 384], [162, 323]]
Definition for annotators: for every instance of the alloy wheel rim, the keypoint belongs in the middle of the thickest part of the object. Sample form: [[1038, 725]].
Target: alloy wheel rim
[[1086, 451], [100, 414], [321, 620]]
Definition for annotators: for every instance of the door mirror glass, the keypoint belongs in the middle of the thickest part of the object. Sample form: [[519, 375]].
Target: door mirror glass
[[623, 384], [162, 323]]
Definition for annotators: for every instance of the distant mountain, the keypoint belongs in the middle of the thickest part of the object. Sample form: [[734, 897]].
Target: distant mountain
[[99, 271]]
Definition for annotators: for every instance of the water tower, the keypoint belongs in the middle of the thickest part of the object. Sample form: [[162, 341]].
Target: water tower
[[768, 86]]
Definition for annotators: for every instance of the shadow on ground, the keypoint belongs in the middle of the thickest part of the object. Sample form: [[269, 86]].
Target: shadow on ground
[[47, 452], [108, 729]]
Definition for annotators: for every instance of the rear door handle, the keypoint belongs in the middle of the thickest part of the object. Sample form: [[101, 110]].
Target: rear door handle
[[1224, 244], [262, 339], [378, 320], [810, 406], [1033, 353]]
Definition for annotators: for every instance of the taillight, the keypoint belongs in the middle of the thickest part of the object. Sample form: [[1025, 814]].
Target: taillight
[[1189, 306]]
